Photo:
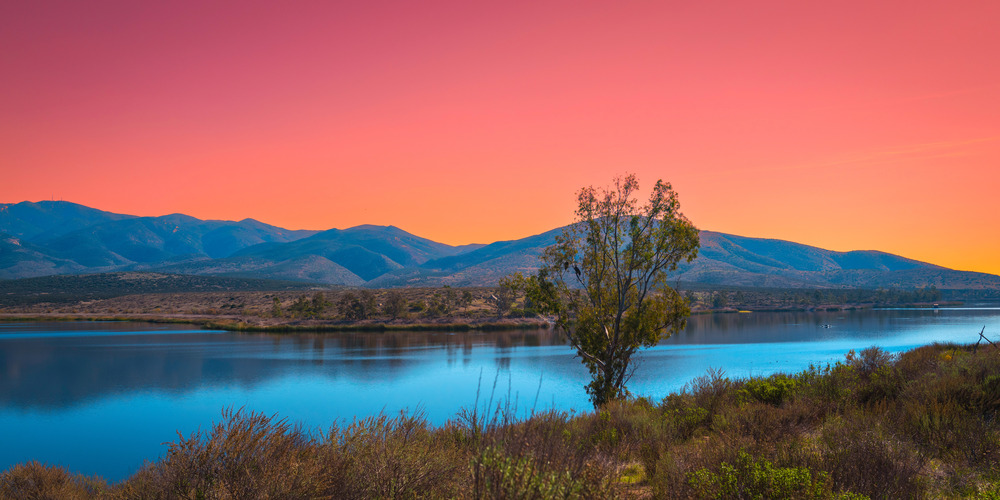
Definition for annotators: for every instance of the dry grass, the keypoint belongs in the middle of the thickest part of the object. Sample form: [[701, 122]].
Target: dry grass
[[34, 480]]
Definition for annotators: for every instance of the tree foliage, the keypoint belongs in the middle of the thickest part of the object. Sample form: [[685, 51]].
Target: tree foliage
[[441, 303], [506, 294], [276, 310], [605, 279], [394, 305], [356, 307], [305, 307]]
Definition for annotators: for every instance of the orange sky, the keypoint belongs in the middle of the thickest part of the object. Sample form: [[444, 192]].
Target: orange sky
[[845, 125]]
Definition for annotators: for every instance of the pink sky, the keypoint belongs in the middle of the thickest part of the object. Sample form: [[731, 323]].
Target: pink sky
[[845, 125]]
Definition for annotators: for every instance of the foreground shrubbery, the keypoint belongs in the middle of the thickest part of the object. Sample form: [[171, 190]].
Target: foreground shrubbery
[[923, 425]]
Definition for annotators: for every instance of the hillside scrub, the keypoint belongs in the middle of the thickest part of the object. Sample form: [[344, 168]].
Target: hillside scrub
[[919, 425]]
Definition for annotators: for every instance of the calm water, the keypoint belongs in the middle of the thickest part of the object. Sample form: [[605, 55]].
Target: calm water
[[100, 398]]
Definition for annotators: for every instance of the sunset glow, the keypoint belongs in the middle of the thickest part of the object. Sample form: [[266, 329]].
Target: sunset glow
[[844, 125]]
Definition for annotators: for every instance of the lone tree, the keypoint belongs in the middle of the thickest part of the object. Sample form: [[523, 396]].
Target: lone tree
[[357, 307], [394, 305], [605, 279], [506, 294]]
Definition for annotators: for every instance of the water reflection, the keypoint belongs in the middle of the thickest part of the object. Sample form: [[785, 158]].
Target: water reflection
[[70, 390], [799, 326], [57, 365]]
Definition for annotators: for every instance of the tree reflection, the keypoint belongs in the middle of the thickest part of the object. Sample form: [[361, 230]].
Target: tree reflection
[[56, 372]]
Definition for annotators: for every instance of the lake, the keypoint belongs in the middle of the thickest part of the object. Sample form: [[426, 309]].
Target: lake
[[100, 398]]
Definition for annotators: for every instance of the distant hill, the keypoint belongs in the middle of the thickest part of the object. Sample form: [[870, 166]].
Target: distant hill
[[311, 268], [153, 240], [45, 220], [74, 288], [723, 259], [741, 261], [368, 251], [62, 237], [21, 259], [49, 238], [351, 256], [483, 266]]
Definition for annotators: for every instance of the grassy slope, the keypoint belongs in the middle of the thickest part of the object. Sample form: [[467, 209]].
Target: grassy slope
[[918, 426]]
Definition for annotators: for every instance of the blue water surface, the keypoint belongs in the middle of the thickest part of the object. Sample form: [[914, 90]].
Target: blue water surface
[[102, 398]]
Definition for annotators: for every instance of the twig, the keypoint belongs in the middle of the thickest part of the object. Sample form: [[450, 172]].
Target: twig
[[982, 338]]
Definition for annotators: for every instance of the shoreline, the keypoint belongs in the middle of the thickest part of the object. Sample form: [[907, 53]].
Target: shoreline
[[240, 325], [454, 324], [832, 308]]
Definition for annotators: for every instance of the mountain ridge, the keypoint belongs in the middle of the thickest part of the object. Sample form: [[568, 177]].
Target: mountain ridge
[[50, 238]]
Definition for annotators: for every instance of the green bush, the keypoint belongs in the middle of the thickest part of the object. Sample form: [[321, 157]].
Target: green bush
[[758, 479], [772, 390], [498, 475]]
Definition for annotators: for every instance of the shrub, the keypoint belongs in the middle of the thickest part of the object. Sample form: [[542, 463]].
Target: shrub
[[394, 305], [772, 390], [34, 480], [884, 383], [356, 307], [400, 457], [989, 398], [548, 452], [498, 475], [711, 391], [870, 360], [684, 417], [752, 478], [862, 458], [247, 455]]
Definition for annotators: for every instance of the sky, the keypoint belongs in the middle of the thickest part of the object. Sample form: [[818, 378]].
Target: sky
[[846, 125]]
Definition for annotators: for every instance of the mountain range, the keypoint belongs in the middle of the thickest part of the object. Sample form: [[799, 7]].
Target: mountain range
[[56, 237]]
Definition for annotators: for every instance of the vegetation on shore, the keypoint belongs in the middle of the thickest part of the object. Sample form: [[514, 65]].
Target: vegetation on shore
[[920, 425], [239, 326], [410, 309], [414, 309]]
